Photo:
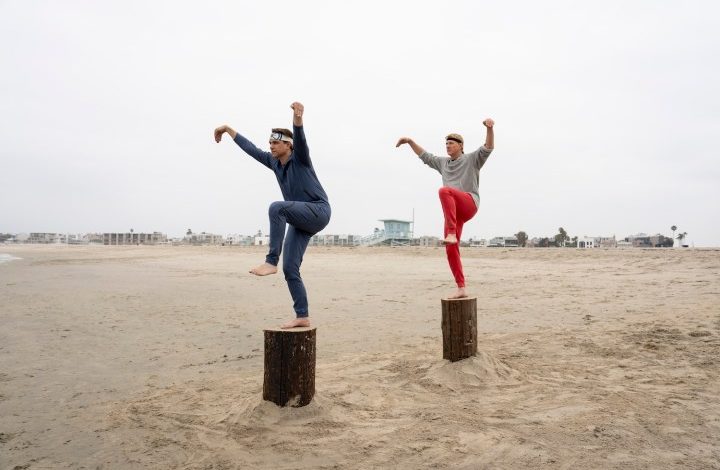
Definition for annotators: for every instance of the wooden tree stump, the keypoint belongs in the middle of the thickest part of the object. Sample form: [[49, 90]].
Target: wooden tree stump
[[459, 328], [289, 366]]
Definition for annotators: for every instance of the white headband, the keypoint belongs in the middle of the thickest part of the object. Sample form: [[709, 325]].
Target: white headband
[[280, 136]]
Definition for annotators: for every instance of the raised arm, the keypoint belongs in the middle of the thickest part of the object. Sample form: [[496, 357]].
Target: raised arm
[[263, 157], [407, 140], [300, 147], [490, 136], [427, 158]]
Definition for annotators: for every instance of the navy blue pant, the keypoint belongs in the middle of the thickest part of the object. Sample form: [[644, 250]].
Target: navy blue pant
[[305, 220]]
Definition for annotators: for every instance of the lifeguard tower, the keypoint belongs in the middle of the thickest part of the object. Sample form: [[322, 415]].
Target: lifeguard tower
[[395, 233]]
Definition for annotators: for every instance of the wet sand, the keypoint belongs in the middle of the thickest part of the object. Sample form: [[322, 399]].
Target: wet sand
[[151, 357]]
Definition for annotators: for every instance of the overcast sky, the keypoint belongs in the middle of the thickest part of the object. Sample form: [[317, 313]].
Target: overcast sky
[[607, 113]]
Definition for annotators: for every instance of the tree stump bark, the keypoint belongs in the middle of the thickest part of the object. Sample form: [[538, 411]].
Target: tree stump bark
[[459, 328], [289, 366]]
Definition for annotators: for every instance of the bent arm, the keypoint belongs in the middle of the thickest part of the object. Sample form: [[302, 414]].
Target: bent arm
[[300, 147], [251, 149], [407, 140], [490, 135], [427, 158], [263, 157]]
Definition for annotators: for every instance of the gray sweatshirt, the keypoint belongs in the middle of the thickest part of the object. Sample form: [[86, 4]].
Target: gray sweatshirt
[[462, 173]]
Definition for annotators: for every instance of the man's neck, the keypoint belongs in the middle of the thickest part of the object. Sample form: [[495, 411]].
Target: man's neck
[[283, 159]]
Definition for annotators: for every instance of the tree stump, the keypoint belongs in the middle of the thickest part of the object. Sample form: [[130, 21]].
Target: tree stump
[[459, 328], [289, 366]]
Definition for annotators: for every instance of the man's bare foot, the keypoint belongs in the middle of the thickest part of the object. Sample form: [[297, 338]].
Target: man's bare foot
[[459, 294], [264, 269], [450, 239], [298, 322]]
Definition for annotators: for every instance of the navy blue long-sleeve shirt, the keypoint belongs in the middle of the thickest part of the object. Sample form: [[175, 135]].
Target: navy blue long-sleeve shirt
[[297, 178]]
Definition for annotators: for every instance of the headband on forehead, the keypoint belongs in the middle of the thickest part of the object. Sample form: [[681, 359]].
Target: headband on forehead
[[455, 137], [280, 136]]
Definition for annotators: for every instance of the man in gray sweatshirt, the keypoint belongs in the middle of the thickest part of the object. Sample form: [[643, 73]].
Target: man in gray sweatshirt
[[459, 195]]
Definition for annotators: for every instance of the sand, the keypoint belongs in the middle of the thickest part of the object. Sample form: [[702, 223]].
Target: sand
[[151, 357]]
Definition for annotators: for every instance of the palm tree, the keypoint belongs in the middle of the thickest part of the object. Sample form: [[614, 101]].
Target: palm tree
[[673, 228], [681, 237]]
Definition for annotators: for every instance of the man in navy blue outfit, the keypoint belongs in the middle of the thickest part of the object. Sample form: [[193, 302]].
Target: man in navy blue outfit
[[305, 207]]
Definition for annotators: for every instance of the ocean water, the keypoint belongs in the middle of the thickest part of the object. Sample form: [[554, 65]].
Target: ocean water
[[4, 258]]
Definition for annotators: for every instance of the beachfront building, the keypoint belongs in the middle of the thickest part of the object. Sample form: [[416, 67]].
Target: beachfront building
[[497, 241], [203, 238], [76, 239], [261, 240], [335, 240], [93, 239], [606, 242], [46, 238], [240, 240], [15, 238], [477, 243], [427, 241], [507, 242], [511, 242], [586, 242], [642, 240], [132, 238]]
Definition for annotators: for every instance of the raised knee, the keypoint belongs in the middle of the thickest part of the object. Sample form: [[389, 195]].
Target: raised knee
[[444, 191], [275, 207]]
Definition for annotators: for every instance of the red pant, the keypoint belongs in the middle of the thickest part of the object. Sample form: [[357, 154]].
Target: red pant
[[458, 207]]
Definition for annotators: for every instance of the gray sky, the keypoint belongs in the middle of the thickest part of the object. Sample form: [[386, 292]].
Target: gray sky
[[604, 112]]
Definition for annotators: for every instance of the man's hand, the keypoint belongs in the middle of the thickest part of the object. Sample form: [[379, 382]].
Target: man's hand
[[219, 132], [489, 123], [223, 129], [407, 140], [403, 140], [298, 110]]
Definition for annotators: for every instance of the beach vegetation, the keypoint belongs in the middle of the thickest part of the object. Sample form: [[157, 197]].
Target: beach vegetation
[[522, 238]]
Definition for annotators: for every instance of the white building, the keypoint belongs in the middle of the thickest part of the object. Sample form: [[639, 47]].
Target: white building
[[509, 242], [46, 238], [240, 240], [497, 241], [261, 240], [133, 238], [477, 242], [586, 242]]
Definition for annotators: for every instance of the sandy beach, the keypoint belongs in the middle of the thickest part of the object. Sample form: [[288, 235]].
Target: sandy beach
[[151, 357]]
